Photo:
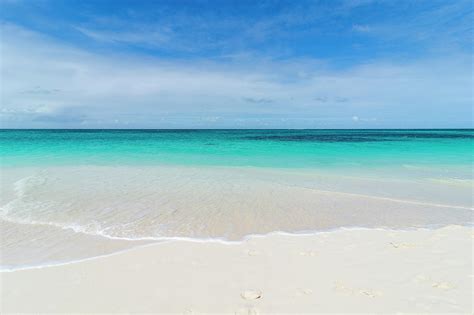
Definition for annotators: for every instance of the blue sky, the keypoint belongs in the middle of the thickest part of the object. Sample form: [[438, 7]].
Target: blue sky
[[236, 64]]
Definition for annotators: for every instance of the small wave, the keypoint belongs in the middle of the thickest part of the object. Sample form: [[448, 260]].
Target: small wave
[[26, 192], [412, 202], [162, 240], [22, 186], [453, 181]]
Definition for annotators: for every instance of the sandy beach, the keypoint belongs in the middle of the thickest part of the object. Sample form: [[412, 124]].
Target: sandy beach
[[347, 271], [236, 157]]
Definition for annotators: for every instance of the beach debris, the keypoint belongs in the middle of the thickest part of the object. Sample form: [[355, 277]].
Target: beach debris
[[435, 284], [370, 293], [442, 285], [251, 295], [402, 245], [302, 291], [252, 252], [338, 286]]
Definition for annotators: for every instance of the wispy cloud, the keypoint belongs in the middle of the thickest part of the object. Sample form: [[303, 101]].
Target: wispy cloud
[[258, 100], [151, 38], [361, 28], [358, 3], [276, 30], [443, 26], [37, 90], [107, 90]]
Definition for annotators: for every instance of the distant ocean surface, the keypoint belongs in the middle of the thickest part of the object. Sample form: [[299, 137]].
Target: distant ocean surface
[[258, 148], [74, 194]]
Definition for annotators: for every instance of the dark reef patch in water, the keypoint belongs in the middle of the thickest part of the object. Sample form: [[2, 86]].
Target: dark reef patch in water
[[354, 136], [316, 138]]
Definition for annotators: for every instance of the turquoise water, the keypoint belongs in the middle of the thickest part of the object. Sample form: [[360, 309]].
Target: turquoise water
[[258, 148], [73, 194]]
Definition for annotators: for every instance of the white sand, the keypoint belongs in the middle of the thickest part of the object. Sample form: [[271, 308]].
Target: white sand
[[343, 271]]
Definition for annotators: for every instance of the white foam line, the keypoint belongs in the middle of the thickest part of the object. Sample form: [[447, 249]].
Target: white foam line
[[219, 240], [164, 240]]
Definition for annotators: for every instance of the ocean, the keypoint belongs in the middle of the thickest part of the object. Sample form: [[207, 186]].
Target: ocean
[[74, 194]]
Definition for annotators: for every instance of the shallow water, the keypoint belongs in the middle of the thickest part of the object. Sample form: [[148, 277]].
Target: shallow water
[[70, 195]]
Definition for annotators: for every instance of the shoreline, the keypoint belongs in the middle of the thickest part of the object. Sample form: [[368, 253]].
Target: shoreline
[[156, 241], [365, 270]]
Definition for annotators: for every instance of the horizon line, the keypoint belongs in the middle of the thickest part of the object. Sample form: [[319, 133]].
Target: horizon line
[[217, 129]]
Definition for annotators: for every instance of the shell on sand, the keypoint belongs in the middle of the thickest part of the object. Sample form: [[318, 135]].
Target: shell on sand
[[251, 295]]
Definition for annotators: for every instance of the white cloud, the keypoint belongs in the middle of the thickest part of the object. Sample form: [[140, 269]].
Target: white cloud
[[361, 28], [150, 38], [57, 85]]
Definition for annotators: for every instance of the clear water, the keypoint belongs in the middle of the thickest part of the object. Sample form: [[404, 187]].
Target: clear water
[[72, 194]]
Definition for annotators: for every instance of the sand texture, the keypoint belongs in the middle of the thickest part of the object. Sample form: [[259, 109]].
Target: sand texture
[[342, 271]]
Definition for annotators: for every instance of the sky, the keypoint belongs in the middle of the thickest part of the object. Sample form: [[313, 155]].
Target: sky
[[236, 64]]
